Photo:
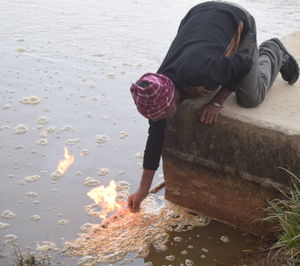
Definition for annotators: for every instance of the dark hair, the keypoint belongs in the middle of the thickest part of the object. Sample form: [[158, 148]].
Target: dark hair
[[143, 83]]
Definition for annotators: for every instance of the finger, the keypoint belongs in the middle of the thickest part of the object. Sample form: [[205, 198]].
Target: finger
[[202, 116], [136, 206], [211, 118], [129, 204]]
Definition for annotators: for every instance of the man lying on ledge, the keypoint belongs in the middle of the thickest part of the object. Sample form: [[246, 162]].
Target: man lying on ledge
[[214, 52]]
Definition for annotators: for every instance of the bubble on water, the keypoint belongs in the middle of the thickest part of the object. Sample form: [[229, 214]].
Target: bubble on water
[[104, 117], [178, 239], [189, 262], [89, 181], [140, 165], [205, 250], [3, 225], [32, 194], [63, 221], [139, 155], [87, 260], [190, 246], [121, 172], [66, 128], [46, 109], [103, 171], [123, 134], [44, 172], [45, 133], [78, 173], [4, 127], [184, 252], [21, 129], [20, 50], [110, 75], [87, 227], [6, 106], [95, 99], [35, 217], [203, 256], [46, 246], [170, 258], [149, 263], [55, 190], [36, 202], [92, 86], [60, 215], [31, 100], [10, 238], [71, 142], [21, 182], [84, 152], [42, 142], [56, 175], [30, 179], [101, 139], [98, 55], [43, 120], [8, 214], [19, 147], [224, 239]]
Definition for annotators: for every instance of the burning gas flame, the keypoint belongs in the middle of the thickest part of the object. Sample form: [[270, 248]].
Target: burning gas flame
[[105, 197], [64, 165]]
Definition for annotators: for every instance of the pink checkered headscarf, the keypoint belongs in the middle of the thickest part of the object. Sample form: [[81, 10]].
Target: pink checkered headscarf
[[154, 100]]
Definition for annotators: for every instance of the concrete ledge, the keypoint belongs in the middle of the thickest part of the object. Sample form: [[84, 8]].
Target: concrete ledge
[[228, 170]]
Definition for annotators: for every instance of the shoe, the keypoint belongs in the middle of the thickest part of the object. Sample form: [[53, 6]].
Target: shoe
[[289, 69]]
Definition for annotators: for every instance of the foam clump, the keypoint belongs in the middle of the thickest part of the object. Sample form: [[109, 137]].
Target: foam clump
[[42, 142], [46, 246], [43, 120], [35, 217], [71, 142], [7, 214], [123, 134], [31, 100], [89, 181], [3, 226], [21, 129], [101, 139], [103, 171], [10, 238], [123, 232]]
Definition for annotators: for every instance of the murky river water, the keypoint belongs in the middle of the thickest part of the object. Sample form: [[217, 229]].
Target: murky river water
[[79, 58]]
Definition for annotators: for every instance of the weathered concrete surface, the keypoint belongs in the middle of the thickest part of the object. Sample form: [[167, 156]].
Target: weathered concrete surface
[[228, 170]]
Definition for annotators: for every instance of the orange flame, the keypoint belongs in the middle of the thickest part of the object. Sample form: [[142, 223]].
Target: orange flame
[[64, 165], [105, 198]]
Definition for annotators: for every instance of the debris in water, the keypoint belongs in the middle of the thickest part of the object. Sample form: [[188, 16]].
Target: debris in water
[[20, 50], [84, 152], [139, 155], [30, 179], [7, 214]]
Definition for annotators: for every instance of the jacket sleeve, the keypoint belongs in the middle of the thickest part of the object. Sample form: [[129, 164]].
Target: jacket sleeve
[[154, 145], [227, 71]]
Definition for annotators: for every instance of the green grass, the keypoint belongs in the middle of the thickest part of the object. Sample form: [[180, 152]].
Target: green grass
[[285, 215]]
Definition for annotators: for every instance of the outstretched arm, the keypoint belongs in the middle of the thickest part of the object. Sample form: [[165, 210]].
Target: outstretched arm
[[135, 199]]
